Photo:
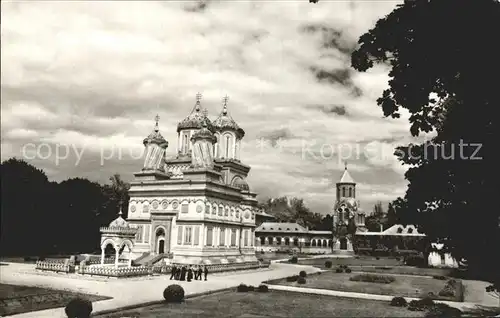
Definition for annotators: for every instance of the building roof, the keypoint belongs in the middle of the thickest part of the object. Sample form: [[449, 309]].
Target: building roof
[[225, 121], [119, 222], [204, 133], [397, 230], [281, 227], [196, 118], [155, 136], [241, 184], [346, 177]]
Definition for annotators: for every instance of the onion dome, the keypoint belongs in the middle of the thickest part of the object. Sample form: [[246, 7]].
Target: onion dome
[[196, 119], [225, 121], [119, 222], [241, 184], [155, 136], [204, 133]]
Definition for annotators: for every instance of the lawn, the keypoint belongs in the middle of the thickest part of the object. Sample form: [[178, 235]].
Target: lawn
[[271, 304], [371, 264], [16, 299], [405, 286], [351, 261]]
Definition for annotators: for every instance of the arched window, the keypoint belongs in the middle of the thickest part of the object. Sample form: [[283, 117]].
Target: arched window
[[262, 240], [350, 192], [343, 191], [227, 146], [287, 241], [185, 142]]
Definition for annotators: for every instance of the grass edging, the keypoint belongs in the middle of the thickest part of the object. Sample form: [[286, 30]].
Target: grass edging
[[156, 302]]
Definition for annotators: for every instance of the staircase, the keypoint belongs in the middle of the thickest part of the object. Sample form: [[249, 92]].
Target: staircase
[[149, 259], [138, 260]]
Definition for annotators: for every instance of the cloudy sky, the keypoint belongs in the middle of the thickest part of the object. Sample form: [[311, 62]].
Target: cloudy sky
[[81, 83]]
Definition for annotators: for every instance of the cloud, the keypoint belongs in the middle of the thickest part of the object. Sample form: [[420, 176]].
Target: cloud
[[88, 78]]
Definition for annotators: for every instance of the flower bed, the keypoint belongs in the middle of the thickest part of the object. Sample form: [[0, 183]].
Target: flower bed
[[369, 278]]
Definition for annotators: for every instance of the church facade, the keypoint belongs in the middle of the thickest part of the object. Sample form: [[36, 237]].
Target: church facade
[[197, 206]]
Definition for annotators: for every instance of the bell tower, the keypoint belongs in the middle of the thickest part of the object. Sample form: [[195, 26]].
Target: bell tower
[[346, 187]]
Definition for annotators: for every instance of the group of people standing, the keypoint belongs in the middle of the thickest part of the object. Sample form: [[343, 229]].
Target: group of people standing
[[188, 273]]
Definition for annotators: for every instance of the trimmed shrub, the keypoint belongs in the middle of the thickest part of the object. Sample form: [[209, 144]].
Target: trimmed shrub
[[78, 308], [427, 302], [174, 293], [423, 304], [263, 289], [338, 270], [414, 305], [348, 270], [301, 280], [261, 252], [442, 311], [343, 266], [369, 278], [242, 288], [399, 302], [294, 260], [398, 258], [440, 277], [261, 260], [250, 288], [328, 264], [292, 278], [377, 258], [415, 260], [383, 267], [302, 274]]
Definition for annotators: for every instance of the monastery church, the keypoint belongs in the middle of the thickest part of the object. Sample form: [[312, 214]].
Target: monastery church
[[196, 207]]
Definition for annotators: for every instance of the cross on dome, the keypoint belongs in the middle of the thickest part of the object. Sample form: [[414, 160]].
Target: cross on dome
[[198, 101], [224, 103], [157, 119]]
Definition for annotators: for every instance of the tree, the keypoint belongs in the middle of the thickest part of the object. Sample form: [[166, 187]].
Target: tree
[[392, 218], [445, 84], [117, 197], [286, 209], [26, 224]]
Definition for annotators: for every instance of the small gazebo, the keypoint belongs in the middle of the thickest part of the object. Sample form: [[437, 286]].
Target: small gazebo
[[120, 235]]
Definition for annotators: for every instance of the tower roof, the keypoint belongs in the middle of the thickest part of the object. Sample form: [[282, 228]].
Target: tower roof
[[119, 222], [346, 177], [155, 136], [204, 133], [225, 121], [196, 118]]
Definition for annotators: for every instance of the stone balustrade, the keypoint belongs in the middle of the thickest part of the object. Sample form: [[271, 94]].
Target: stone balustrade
[[56, 266], [111, 271], [118, 230]]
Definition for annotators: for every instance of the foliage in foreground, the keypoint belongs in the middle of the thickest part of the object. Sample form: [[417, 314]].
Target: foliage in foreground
[[78, 308], [174, 294], [445, 84]]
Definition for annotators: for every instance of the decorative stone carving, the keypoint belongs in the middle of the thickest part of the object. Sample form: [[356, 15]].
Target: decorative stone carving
[[164, 204], [175, 205], [199, 209], [155, 205], [132, 208]]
